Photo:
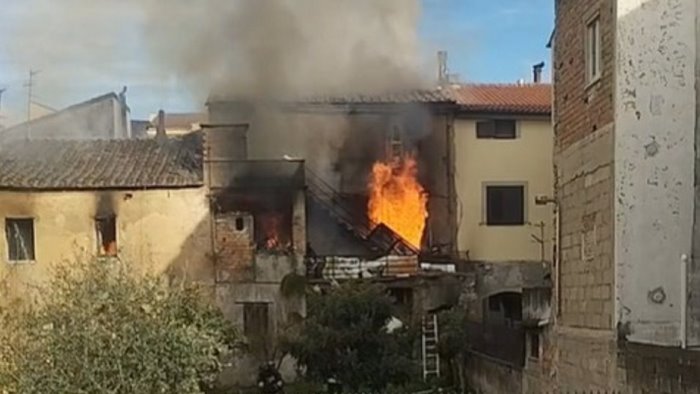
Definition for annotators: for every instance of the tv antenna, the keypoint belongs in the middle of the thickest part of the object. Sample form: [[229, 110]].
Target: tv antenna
[[30, 85]]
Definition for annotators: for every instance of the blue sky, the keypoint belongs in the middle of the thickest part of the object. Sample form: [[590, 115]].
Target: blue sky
[[487, 41]]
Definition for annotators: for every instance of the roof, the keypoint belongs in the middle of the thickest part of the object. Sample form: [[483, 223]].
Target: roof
[[525, 99], [41, 119], [410, 96], [531, 99], [101, 164]]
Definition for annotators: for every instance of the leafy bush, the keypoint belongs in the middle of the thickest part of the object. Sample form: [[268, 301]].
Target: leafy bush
[[98, 329], [344, 337]]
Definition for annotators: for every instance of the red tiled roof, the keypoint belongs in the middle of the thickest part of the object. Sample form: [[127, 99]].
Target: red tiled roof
[[529, 99], [535, 99]]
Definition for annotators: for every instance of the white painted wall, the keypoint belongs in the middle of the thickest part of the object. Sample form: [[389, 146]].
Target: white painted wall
[[654, 162]]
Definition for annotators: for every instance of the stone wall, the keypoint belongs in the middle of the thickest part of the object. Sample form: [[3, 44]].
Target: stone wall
[[485, 376]]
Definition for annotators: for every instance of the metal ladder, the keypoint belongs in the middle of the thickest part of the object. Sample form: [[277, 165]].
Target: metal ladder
[[431, 357]]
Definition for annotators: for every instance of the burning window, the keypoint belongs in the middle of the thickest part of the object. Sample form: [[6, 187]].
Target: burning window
[[505, 205], [20, 239], [273, 231], [106, 230]]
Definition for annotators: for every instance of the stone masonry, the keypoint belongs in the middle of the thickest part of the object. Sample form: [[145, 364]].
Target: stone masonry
[[583, 337]]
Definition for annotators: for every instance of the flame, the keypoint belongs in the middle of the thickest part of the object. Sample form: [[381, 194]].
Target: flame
[[270, 231], [397, 199]]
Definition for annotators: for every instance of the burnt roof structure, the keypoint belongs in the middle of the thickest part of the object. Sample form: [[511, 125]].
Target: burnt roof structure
[[101, 164]]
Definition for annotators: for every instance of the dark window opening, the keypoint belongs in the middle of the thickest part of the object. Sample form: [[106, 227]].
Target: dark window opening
[[255, 320], [272, 216], [534, 344], [240, 225], [498, 129], [505, 205], [106, 228], [20, 239], [402, 296], [504, 309]]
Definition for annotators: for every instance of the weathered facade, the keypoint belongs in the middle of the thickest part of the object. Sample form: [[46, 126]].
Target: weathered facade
[[625, 125], [176, 207]]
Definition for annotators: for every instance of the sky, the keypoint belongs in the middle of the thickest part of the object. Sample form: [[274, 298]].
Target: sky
[[486, 40]]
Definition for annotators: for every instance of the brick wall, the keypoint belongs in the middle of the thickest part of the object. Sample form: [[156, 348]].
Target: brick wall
[[582, 344], [583, 157], [580, 110]]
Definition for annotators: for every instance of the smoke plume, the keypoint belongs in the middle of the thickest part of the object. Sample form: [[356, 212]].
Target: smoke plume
[[274, 48]]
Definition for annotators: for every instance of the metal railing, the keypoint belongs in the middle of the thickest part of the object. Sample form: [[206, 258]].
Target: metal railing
[[381, 236]]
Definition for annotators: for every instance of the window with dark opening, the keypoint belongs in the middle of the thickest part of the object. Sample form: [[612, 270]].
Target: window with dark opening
[[534, 345], [505, 205], [255, 320], [20, 239], [496, 128], [106, 229], [240, 224]]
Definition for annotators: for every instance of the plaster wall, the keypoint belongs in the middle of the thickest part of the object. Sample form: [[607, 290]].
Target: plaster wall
[[655, 116]]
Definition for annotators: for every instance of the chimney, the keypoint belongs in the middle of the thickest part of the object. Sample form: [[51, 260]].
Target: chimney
[[537, 72], [160, 125]]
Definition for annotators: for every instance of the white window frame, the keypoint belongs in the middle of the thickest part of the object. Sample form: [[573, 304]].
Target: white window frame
[[593, 50]]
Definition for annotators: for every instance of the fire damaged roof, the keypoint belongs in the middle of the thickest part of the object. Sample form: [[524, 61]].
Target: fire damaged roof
[[413, 96], [101, 164], [525, 99]]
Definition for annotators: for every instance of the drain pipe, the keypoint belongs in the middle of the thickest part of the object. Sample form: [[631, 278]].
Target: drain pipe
[[684, 301]]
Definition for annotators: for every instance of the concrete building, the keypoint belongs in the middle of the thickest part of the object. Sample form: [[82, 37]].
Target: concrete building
[[102, 117], [626, 126]]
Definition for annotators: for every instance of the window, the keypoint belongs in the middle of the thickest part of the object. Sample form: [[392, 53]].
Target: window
[[593, 50], [396, 144], [20, 239], [534, 344], [498, 129], [106, 230], [255, 320], [505, 205], [240, 224]]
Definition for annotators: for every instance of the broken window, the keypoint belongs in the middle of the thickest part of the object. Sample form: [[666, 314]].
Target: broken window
[[496, 128], [106, 229], [20, 239], [255, 320], [505, 205]]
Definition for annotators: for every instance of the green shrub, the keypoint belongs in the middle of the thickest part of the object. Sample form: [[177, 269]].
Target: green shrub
[[98, 329]]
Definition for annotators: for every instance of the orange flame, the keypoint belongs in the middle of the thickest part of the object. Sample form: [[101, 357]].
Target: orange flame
[[397, 199]]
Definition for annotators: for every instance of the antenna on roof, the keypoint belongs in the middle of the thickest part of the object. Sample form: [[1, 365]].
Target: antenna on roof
[[443, 76]]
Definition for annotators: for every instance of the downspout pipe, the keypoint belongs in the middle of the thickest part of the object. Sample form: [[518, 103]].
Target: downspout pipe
[[684, 302]]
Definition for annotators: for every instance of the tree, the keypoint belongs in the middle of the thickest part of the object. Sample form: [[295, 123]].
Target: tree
[[453, 342], [345, 337], [99, 329]]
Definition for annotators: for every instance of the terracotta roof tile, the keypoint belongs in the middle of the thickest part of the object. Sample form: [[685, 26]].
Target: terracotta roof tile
[[533, 99], [101, 164]]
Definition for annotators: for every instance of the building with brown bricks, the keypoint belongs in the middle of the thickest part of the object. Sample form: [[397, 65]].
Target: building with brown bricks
[[625, 123]]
